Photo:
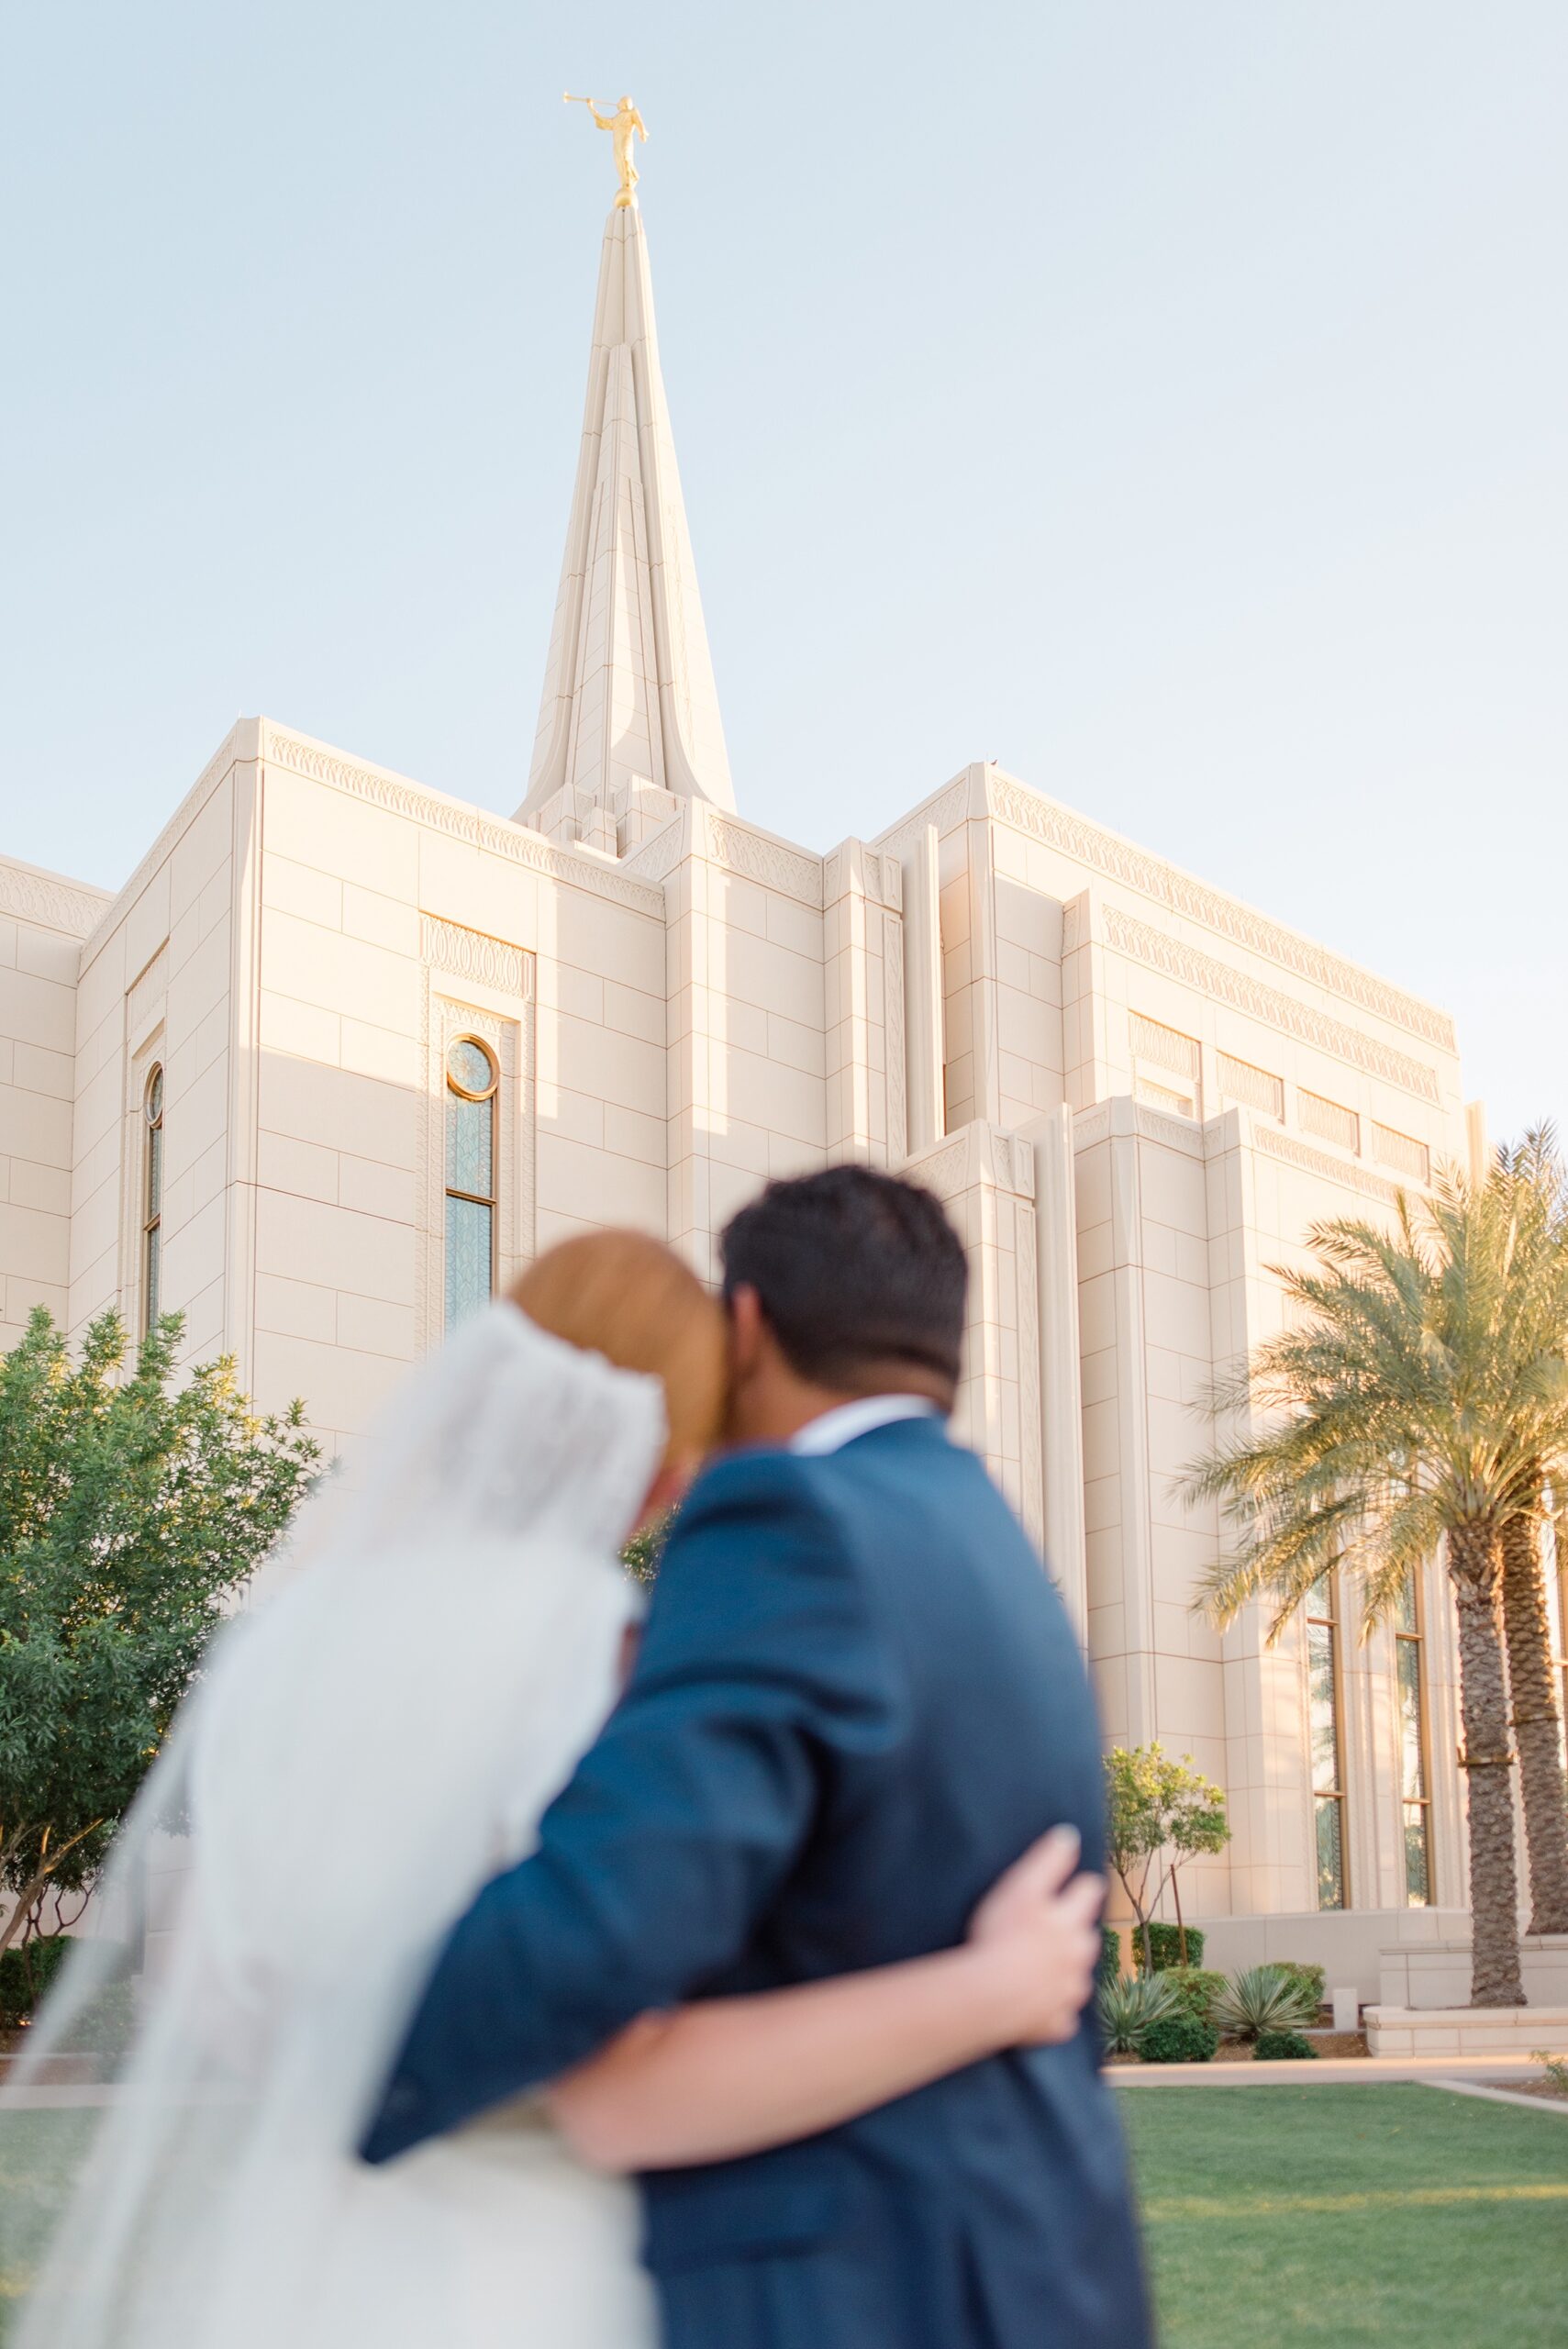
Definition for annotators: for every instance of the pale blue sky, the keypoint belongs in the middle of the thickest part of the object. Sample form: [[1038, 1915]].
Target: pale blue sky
[[1170, 403]]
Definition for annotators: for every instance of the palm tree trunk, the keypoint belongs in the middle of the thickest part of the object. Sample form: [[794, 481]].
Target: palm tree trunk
[[1494, 1976], [1537, 1724]]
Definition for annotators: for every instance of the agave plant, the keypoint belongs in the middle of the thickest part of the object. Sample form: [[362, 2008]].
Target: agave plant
[[1262, 1999], [1128, 2006]]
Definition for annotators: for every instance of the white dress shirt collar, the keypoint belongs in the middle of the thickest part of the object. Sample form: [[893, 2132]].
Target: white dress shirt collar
[[846, 1421]]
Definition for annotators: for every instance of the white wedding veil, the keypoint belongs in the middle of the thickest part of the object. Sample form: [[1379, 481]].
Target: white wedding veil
[[415, 1676]]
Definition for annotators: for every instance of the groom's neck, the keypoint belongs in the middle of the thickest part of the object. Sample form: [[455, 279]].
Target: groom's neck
[[777, 1403]]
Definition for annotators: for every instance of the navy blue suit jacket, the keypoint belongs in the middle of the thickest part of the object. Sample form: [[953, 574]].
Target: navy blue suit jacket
[[858, 1699]]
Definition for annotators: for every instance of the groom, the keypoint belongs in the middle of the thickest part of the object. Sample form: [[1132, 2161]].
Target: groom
[[858, 1699]]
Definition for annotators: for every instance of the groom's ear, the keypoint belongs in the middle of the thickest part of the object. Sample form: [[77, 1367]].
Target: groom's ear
[[743, 1308]]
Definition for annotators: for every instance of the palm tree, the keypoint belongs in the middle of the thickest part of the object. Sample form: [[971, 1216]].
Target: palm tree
[[1408, 1407], [1532, 1174]]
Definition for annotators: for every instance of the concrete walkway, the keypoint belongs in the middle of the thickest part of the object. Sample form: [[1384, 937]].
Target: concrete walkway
[[1364, 2071]]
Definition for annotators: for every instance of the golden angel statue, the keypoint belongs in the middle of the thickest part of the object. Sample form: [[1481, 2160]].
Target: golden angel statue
[[623, 126]]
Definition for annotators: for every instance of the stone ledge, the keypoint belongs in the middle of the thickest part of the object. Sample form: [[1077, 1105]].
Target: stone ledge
[[1464, 2031]]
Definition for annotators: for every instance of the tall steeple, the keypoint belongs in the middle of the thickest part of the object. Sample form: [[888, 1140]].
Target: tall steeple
[[629, 713]]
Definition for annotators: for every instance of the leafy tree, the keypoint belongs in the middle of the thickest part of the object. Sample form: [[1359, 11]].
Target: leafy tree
[[1157, 1806], [1415, 1403], [130, 1509]]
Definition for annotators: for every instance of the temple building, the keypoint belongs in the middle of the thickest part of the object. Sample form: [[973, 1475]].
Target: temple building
[[343, 1052]]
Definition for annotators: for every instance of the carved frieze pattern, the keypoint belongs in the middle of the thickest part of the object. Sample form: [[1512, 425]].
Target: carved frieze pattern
[[1178, 960], [1042, 819], [1180, 1133], [472, 954], [1317, 1162], [945, 812], [751, 854], [53, 904], [511, 841], [658, 857]]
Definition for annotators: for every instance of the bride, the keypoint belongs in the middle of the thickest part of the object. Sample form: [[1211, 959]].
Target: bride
[[414, 1679]]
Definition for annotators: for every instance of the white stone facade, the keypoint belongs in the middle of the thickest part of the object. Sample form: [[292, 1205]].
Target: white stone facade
[[1134, 1093]]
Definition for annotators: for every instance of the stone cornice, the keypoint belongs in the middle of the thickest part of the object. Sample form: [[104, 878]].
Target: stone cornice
[[1160, 952], [459, 821], [49, 902], [1026, 811]]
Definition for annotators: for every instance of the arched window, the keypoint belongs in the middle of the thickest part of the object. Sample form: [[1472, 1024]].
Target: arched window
[[152, 1199], [1327, 1743], [471, 1081]]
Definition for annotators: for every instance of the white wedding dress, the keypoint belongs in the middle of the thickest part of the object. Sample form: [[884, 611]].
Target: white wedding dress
[[374, 1737]]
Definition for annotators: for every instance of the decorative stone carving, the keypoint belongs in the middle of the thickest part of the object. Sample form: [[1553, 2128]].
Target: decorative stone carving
[[1160, 952], [471, 954], [757, 858], [658, 857], [53, 904], [1043, 820], [946, 812], [1317, 1162]]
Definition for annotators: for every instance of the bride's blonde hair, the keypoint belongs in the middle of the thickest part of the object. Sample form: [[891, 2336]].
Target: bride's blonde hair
[[631, 1299]]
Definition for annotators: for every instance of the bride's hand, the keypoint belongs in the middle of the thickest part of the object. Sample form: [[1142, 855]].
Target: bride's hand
[[1035, 1941]]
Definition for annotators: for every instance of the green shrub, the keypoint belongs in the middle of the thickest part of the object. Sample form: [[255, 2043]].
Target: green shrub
[[1128, 2007], [1284, 2047], [1262, 1999], [1108, 1969], [1165, 1946], [1309, 1978], [26, 1969], [1180, 2039], [1196, 1988]]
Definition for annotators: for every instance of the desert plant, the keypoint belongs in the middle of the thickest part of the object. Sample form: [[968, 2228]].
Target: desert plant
[[1309, 1979], [1197, 1987], [1179, 2039], [1128, 2007], [1284, 2047], [1412, 1404], [1108, 1968], [1260, 1998], [1554, 2066]]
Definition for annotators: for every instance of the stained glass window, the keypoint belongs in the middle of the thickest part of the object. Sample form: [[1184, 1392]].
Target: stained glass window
[[1409, 1694], [1324, 1738], [472, 1080], [152, 1202]]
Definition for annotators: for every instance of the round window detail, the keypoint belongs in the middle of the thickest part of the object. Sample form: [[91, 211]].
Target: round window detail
[[153, 1103], [470, 1069]]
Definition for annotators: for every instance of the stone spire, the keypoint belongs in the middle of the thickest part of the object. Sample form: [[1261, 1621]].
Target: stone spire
[[628, 720]]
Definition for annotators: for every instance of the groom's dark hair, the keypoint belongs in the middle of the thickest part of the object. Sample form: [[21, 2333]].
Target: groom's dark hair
[[854, 1270]]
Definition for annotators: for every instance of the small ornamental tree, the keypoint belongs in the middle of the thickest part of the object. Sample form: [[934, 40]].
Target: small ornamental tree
[[1160, 1812], [130, 1510]]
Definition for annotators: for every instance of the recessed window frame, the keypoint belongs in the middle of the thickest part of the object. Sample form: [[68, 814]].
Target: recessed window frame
[[459, 1095], [1327, 1699], [153, 1103], [1413, 1743]]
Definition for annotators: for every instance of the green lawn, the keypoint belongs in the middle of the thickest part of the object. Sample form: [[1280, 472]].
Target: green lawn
[[1275, 2217], [1347, 2215]]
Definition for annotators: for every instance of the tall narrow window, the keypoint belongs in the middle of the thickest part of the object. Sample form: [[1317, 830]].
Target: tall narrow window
[[1416, 1808], [472, 1080], [152, 1201], [1323, 1723]]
